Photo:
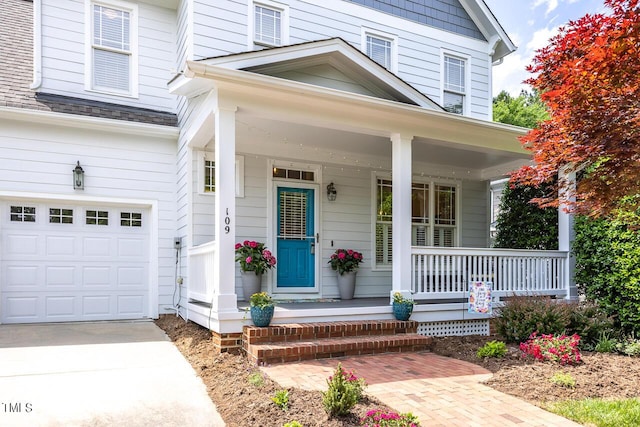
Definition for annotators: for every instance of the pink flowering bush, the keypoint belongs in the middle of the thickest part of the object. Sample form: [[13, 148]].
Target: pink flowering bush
[[254, 256], [344, 391], [345, 260], [378, 418], [562, 349]]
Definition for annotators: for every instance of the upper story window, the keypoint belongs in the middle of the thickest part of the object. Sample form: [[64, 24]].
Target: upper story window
[[112, 48], [453, 96], [380, 47], [270, 24]]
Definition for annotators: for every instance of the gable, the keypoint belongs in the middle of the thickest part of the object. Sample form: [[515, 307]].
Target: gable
[[447, 15]]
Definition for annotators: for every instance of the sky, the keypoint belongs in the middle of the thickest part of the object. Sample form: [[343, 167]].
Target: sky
[[530, 24]]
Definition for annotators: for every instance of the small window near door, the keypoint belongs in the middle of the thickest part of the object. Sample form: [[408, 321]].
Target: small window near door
[[293, 174], [209, 176], [60, 216], [97, 218], [23, 213], [130, 219]]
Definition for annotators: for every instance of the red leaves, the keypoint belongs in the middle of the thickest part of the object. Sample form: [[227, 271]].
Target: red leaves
[[589, 77]]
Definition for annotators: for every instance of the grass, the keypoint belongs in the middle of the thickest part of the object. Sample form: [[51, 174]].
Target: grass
[[600, 413]]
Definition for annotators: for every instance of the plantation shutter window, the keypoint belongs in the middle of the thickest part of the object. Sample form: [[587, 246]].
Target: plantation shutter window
[[379, 50], [293, 215], [111, 49], [268, 26], [454, 84], [433, 217]]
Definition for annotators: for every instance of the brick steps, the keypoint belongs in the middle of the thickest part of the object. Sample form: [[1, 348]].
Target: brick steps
[[296, 342]]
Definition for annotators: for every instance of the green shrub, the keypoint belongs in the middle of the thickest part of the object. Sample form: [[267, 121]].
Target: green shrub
[[563, 379], [630, 347], [606, 344], [281, 399], [590, 322], [607, 253], [522, 315], [345, 390], [492, 349]]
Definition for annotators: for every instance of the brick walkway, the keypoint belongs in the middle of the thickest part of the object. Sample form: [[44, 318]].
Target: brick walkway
[[441, 391]]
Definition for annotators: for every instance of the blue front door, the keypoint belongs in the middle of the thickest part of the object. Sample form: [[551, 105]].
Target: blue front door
[[296, 238]]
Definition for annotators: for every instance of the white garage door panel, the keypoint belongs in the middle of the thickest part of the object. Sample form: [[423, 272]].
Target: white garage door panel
[[54, 272]]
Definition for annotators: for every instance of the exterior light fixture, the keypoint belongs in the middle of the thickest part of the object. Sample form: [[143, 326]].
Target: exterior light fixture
[[331, 192], [78, 177]]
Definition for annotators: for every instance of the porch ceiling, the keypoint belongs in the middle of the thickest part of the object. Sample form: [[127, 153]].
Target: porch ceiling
[[324, 145]]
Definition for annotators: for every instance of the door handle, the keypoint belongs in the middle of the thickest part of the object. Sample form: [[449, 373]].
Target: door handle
[[313, 248]]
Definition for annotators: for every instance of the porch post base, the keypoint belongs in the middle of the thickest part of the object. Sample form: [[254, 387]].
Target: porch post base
[[224, 303], [405, 294]]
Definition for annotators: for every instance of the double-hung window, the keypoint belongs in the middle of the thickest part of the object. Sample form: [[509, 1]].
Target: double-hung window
[[269, 23], [433, 217], [112, 47], [380, 47], [454, 93]]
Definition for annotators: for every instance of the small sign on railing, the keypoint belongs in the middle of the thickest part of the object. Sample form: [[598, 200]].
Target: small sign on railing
[[480, 297]]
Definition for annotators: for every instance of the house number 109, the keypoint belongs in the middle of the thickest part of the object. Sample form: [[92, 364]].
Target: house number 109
[[227, 221]]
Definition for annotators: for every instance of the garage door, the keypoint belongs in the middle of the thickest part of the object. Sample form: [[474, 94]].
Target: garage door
[[67, 262]]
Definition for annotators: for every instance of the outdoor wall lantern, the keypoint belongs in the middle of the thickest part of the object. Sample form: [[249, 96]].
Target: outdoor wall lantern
[[331, 192], [78, 177]]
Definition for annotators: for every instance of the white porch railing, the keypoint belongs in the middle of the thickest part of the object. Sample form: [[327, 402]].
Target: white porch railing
[[446, 272], [201, 269]]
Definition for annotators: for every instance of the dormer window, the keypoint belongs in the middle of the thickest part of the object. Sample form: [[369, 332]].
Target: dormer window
[[269, 23], [454, 93], [111, 54]]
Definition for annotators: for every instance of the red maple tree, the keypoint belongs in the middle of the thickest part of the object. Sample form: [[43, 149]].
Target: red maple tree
[[589, 77]]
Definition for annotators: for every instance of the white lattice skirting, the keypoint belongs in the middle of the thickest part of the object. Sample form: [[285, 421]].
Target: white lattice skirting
[[454, 328]]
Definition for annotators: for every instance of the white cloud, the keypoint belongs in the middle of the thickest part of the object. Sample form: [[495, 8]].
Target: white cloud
[[540, 38], [510, 74], [551, 5]]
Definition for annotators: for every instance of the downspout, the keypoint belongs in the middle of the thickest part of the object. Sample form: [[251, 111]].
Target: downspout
[[37, 45]]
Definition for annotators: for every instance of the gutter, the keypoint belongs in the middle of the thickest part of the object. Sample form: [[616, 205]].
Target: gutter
[[37, 45]]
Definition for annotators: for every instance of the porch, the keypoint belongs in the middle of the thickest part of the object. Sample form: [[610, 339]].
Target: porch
[[439, 284]]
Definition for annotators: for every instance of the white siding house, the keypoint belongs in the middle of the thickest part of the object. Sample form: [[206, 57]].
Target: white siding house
[[201, 124]]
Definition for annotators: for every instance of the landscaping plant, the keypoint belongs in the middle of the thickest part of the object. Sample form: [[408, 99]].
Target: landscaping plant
[[630, 347], [345, 390], [606, 344], [562, 349], [379, 418], [522, 315], [563, 379], [292, 424], [492, 349], [345, 260], [254, 256], [281, 399]]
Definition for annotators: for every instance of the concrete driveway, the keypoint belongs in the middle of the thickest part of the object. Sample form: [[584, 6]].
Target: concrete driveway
[[98, 374]]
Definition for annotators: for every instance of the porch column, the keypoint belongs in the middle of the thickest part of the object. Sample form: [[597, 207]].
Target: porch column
[[401, 215], [566, 231], [225, 210]]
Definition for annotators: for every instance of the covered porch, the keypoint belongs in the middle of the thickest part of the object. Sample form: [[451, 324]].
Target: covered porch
[[392, 146]]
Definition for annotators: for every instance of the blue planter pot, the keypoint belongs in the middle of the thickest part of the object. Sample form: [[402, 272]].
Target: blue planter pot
[[262, 316], [402, 311]]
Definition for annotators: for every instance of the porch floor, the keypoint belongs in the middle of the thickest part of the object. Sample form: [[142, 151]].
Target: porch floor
[[324, 303]]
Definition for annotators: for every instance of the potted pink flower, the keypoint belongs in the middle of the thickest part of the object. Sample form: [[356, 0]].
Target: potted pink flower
[[346, 263], [255, 259]]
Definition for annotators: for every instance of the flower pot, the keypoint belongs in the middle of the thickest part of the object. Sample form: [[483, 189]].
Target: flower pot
[[347, 284], [402, 310], [251, 284], [262, 316]]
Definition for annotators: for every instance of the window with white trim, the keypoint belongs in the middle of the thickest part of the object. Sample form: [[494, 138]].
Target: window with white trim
[[379, 49], [131, 219], [267, 25], [112, 53], [23, 213], [60, 216], [453, 97], [428, 200], [94, 217], [207, 173]]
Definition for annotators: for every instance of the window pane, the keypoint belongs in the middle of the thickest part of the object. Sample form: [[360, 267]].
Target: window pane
[[445, 205], [111, 28], [453, 102], [420, 203], [384, 200], [111, 70], [454, 74], [267, 25], [23, 213], [209, 176], [379, 50]]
